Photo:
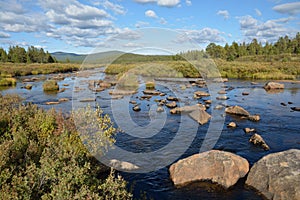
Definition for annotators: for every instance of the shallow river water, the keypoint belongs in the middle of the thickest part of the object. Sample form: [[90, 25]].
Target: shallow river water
[[279, 126]]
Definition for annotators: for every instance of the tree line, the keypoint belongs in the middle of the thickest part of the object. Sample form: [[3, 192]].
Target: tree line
[[17, 54], [284, 45]]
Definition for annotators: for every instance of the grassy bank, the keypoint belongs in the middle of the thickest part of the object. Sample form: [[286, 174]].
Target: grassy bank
[[259, 70], [20, 69], [42, 156], [289, 70]]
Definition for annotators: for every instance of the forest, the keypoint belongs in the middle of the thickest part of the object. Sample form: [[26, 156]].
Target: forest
[[17, 54]]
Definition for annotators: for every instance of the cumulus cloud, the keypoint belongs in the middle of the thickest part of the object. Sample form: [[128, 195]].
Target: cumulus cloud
[[258, 12], [268, 30], [203, 36], [116, 8], [223, 13], [164, 3], [151, 14], [247, 22], [188, 2], [4, 35], [141, 24], [288, 8]]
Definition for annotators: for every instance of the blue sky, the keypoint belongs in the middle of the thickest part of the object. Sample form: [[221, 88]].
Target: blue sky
[[100, 25]]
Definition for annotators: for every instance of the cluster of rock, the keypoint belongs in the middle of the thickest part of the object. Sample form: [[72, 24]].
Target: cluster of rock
[[276, 175]]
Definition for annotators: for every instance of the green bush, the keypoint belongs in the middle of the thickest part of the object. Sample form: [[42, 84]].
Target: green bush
[[42, 156], [8, 82], [50, 85]]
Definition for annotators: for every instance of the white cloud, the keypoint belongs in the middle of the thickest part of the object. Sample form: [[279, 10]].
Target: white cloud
[[168, 3], [116, 8], [247, 22], [151, 14], [12, 6], [269, 30], [288, 8], [223, 13], [164, 3], [188, 2], [258, 12], [203, 36], [4, 35], [84, 12], [141, 24]]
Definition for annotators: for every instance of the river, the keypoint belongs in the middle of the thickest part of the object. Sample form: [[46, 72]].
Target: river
[[279, 126]]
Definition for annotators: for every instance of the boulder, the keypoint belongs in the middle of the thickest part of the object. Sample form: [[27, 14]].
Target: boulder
[[171, 105], [231, 125], [245, 93], [256, 139], [187, 109], [295, 108], [222, 92], [63, 99], [218, 107], [201, 94], [170, 98], [273, 85], [222, 98], [277, 175], [160, 109], [87, 100], [254, 118], [201, 116], [219, 167], [136, 108], [151, 92], [249, 130], [237, 110], [28, 86]]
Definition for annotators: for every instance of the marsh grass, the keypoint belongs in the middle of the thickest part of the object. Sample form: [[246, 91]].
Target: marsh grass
[[21, 69], [8, 81], [50, 85]]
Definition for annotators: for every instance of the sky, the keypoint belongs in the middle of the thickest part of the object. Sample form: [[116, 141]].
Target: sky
[[143, 25]]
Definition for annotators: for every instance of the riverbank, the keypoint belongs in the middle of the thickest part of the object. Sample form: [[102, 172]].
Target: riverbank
[[276, 70]]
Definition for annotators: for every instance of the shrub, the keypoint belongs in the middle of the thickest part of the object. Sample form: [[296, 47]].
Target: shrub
[[50, 85], [42, 156], [8, 82], [150, 85]]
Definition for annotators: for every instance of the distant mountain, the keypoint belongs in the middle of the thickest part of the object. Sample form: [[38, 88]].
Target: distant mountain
[[102, 57]]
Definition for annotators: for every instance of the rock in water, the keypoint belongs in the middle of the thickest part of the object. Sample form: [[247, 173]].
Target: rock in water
[[249, 130], [295, 108], [201, 116], [136, 108], [171, 105], [219, 167], [273, 85], [237, 110], [254, 118], [160, 109], [231, 125], [258, 140], [277, 175]]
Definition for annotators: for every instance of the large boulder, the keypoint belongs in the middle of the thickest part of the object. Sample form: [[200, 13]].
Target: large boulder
[[273, 85], [277, 175], [237, 110], [201, 116], [219, 167]]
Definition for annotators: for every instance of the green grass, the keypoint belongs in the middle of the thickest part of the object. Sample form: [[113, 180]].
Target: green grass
[[8, 81], [20, 69], [50, 85]]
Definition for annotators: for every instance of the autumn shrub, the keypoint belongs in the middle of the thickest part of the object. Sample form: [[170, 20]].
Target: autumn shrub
[[43, 157]]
